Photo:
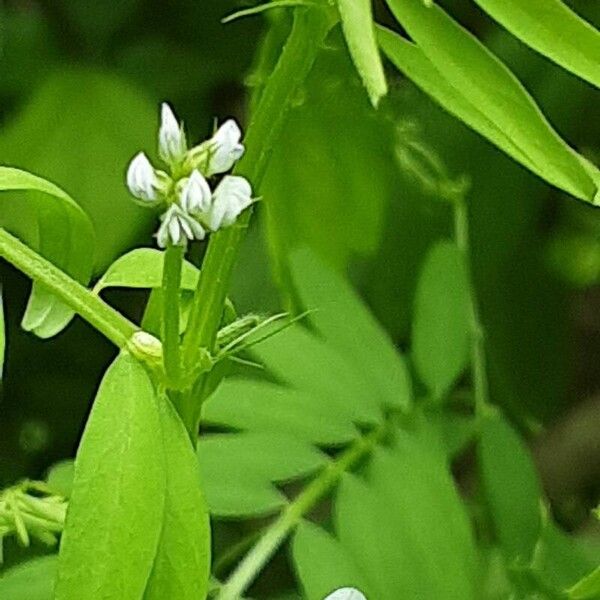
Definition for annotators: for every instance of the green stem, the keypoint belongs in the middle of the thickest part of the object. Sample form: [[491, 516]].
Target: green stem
[[173, 259], [478, 357], [291, 516], [310, 27], [117, 328]]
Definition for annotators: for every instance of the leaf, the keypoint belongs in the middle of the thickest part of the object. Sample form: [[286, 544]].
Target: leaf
[[326, 387], [512, 490], [116, 508], [264, 407], [357, 23], [142, 268], [441, 327], [58, 229], [80, 129], [322, 564], [237, 471], [401, 532], [182, 564], [340, 316], [478, 87], [32, 580], [554, 30], [588, 588]]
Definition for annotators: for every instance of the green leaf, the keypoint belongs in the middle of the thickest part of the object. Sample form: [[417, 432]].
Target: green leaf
[[441, 326], [357, 23], [322, 564], [264, 407], [237, 471], [554, 30], [142, 268], [52, 223], [32, 580], [511, 488], [327, 387], [116, 508], [182, 565], [341, 317], [481, 90], [561, 560], [588, 588], [401, 531], [80, 129]]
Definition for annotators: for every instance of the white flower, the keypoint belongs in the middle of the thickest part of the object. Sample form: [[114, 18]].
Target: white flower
[[142, 180], [172, 145], [224, 148], [178, 227], [195, 195], [346, 594], [231, 197]]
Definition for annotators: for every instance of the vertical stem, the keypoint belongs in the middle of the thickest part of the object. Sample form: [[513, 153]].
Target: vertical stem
[[311, 25], [171, 284], [478, 357]]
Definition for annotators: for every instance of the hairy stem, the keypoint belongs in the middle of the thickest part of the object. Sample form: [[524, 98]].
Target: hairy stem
[[308, 32], [478, 358], [291, 516], [173, 259], [111, 323]]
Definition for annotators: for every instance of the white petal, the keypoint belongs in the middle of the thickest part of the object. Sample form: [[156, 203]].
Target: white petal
[[231, 197], [346, 594], [162, 236], [197, 229], [174, 230], [195, 196], [172, 145], [141, 179], [225, 148]]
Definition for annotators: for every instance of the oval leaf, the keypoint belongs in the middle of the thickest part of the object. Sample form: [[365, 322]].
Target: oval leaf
[[116, 509], [554, 30], [511, 488], [142, 268], [33, 580], [357, 23], [486, 83], [59, 230], [441, 328]]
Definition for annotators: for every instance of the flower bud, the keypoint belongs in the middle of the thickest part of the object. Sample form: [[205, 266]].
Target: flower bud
[[231, 197], [195, 195], [142, 180], [225, 148], [172, 144], [177, 227]]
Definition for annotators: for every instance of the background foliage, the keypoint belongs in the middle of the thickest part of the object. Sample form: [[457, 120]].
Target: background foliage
[[79, 86]]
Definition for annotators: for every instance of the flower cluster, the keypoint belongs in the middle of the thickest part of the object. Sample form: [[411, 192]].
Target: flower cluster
[[192, 208]]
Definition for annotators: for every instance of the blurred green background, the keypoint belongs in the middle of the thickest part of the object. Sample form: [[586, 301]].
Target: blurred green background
[[80, 86]]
